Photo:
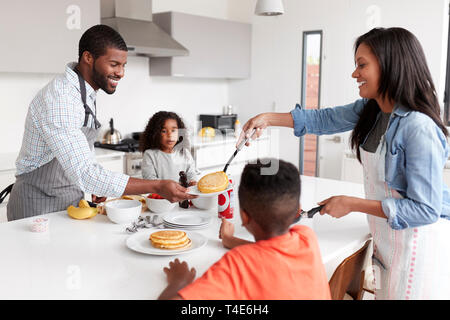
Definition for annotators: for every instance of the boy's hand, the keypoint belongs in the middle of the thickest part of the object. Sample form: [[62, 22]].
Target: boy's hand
[[178, 276], [226, 232], [178, 273]]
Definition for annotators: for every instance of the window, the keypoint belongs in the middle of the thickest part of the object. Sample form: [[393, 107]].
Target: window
[[310, 98]]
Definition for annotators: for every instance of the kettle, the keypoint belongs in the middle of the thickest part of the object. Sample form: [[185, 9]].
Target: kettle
[[112, 136]]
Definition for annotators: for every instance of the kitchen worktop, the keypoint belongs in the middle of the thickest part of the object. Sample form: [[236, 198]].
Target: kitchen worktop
[[89, 259]]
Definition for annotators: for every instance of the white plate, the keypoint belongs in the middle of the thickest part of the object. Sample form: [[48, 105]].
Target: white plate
[[194, 191], [173, 226], [188, 219], [140, 242]]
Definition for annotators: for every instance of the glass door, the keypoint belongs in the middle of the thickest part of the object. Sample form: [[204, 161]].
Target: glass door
[[310, 98]]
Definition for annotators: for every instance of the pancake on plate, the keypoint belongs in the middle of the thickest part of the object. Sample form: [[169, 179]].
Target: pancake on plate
[[170, 239], [213, 182]]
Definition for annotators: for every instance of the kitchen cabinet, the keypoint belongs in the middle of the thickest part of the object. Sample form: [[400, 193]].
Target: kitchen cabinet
[[110, 160], [217, 48], [42, 36], [352, 170], [113, 163]]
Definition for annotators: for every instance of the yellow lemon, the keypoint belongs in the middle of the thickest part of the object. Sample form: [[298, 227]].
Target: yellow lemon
[[207, 132]]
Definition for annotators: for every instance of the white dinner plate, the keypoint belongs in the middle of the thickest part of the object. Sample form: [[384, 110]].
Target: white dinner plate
[[140, 242], [188, 219], [176, 226], [194, 191]]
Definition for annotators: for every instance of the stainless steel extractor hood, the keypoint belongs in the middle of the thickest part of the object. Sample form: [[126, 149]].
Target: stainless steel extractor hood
[[133, 20]]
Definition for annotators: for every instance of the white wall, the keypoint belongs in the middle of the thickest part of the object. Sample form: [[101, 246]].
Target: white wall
[[275, 84]]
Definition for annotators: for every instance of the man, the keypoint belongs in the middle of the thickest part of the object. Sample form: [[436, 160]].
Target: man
[[56, 163]]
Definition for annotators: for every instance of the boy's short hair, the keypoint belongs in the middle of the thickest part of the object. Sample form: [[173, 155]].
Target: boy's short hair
[[98, 38], [273, 200]]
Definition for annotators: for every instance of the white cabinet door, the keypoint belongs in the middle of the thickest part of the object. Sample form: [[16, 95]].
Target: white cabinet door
[[217, 48], [42, 36], [113, 163], [352, 169]]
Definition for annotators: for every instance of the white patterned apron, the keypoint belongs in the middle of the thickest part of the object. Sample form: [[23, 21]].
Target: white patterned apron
[[412, 263]]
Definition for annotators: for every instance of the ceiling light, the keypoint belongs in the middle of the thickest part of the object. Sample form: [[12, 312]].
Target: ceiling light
[[269, 8]]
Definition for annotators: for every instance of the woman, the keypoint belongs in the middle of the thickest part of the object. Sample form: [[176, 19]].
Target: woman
[[401, 142]]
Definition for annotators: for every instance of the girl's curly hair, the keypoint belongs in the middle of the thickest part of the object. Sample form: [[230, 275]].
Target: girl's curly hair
[[151, 137]]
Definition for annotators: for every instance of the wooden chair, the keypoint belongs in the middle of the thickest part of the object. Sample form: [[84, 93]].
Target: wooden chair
[[349, 276]]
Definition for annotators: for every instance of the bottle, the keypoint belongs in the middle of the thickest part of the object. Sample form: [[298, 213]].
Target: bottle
[[184, 183], [226, 203], [237, 128]]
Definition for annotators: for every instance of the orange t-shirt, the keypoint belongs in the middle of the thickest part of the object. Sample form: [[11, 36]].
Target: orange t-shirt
[[284, 267]]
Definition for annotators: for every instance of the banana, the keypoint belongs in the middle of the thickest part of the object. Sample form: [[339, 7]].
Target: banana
[[83, 204], [81, 213]]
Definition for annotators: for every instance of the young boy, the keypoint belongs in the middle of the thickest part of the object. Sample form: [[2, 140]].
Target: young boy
[[283, 263]]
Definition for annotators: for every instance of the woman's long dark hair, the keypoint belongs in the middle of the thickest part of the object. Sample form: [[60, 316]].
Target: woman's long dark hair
[[151, 137], [405, 79]]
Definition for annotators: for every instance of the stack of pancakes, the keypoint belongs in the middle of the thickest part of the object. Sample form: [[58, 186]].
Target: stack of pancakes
[[213, 182], [170, 239]]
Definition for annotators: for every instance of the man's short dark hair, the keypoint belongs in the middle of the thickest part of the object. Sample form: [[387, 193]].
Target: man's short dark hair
[[271, 200], [98, 38]]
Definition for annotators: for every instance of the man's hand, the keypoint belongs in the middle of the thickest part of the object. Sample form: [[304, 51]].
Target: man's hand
[[173, 191], [168, 189], [97, 199], [178, 276]]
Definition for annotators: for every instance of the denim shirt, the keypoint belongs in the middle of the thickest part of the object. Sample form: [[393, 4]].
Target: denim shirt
[[415, 157]]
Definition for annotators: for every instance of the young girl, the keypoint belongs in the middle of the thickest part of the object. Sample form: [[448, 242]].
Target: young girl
[[400, 140], [166, 153]]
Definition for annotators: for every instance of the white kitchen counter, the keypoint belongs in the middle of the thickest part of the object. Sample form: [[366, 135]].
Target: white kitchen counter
[[88, 259]]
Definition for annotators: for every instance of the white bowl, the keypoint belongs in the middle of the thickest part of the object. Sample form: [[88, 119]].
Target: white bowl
[[205, 202], [123, 211], [160, 205]]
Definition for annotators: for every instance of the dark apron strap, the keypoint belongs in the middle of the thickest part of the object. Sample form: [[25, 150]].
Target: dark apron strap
[[87, 110], [5, 192]]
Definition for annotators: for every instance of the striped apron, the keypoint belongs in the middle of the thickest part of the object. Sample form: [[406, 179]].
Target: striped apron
[[412, 263], [48, 188]]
